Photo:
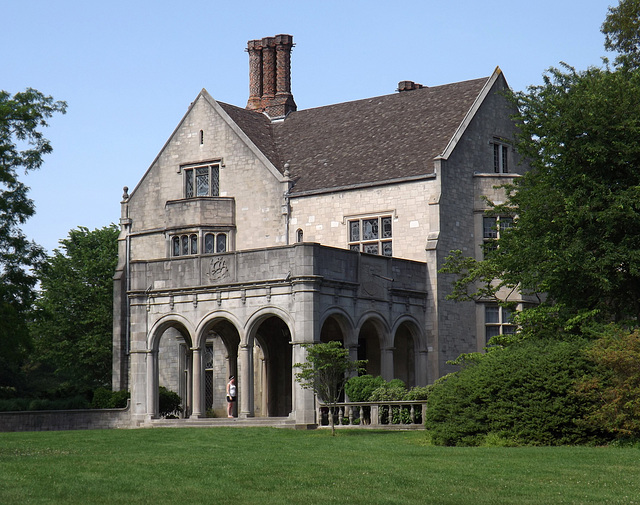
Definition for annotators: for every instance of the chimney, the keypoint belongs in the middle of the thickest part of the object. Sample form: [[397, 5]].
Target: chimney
[[408, 86], [270, 75]]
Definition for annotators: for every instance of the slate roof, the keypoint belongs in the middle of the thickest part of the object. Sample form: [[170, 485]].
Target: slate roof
[[365, 141]]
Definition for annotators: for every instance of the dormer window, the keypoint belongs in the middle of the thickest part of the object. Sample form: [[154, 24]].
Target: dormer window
[[201, 180]]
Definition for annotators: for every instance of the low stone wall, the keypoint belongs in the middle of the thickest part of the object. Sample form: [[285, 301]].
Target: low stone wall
[[57, 420]]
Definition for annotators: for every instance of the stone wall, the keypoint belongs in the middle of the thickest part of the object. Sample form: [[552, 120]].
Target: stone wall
[[58, 420]]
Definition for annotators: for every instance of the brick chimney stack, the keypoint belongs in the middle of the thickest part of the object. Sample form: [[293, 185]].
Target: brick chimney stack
[[270, 75]]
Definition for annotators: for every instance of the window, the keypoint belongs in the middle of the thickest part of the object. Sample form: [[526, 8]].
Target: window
[[208, 376], [492, 228], [184, 245], [500, 157], [203, 180], [371, 235], [299, 235], [497, 321], [215, 243]]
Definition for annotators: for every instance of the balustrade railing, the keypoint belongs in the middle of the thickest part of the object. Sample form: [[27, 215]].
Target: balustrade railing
[[373, 414]]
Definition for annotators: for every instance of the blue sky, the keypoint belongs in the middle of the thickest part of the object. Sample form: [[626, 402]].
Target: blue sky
[[129, 70]]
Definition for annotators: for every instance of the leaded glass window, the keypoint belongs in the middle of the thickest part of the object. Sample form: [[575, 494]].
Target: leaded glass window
[[370, 248], [354, 231], [209, 242], [215, 243], [188, 183], [203, 180], [183, 245], [371, 235], [221, 243], [369, 229]]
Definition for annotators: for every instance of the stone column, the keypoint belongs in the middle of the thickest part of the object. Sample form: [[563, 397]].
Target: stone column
[[138, 384], [422, 368], [245, 385], [305, 400], [196, 376], [386, 363], [153, 409]]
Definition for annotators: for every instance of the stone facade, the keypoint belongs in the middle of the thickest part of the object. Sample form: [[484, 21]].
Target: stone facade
[[251, 235]]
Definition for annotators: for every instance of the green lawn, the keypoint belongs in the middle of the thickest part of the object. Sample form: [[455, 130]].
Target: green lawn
[[269, 466]]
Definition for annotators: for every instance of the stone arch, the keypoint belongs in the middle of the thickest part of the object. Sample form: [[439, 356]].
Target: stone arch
[[373, 334], [406, 343], [170, 362], [217, 351], [269, 336], [337, 325]]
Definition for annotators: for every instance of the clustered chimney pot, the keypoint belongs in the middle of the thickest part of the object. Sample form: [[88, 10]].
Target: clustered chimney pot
[[408, 86], [270, 75]]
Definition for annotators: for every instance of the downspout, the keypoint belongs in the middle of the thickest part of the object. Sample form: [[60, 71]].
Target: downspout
[[126, 222], [286, 208]]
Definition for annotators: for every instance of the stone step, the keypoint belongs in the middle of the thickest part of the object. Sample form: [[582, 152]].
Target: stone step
[[278, 422]]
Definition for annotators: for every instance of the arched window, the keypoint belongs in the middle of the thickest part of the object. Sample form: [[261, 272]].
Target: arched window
[[184, 245], [299, 235], [215, 243]]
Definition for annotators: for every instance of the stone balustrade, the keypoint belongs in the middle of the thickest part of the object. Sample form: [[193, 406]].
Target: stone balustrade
[[408, 414]]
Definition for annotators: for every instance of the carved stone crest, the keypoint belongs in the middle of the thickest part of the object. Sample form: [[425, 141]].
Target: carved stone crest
[[218, 270]]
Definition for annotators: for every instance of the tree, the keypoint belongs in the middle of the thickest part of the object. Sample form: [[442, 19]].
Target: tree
[[325, 372], [22, 145], [622, 33], [72, 325], [576, 235]]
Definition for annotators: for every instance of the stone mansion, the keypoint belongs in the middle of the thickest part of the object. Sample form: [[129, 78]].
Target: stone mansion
[[258, 229]]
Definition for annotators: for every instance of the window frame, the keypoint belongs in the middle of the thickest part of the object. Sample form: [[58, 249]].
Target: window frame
[[190, 179], [502, 326], [193, 243], [491, 234], [500, 156], [216, 241], [381, 243]]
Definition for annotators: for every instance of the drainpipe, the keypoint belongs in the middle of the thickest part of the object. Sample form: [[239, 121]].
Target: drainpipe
[[286, 208]]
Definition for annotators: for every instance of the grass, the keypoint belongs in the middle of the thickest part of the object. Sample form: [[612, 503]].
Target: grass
[[271, 466]]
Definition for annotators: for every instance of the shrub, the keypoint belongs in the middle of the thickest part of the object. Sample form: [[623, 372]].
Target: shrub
[[615, 387], [419, 393], [359, 389], [106, 399], [389, 391], [521, 394], [170, 403]]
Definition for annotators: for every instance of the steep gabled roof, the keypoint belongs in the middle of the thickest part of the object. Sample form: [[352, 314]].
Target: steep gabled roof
[[366, 141]]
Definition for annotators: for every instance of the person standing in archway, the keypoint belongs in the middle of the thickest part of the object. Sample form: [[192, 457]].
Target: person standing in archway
[[232, 392]]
